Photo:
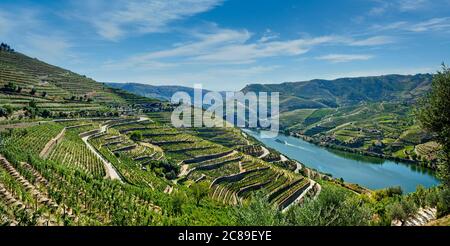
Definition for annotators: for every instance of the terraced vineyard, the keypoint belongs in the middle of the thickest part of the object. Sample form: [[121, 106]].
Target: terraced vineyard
[[24, 80], [380, 129], [73, 152], [199, 159], [61, 171], [34, 139]]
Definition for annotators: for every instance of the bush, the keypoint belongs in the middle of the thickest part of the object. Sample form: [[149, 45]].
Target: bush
[[199, 191], [178, 199], [10, 87], [6, 111], [444, 202], [136, 136], [258, 212], [333, 207]]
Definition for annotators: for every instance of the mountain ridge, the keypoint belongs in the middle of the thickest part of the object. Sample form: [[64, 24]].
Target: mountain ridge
[[319, 93], [161, 92]]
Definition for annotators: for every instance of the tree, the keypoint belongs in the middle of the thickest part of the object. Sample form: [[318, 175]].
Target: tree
[[333, 207], [258, 212], [3, 112], [199, 190], [32, 104], [401, 210], [9, 110], [136, 136], [10, 87], [178, 199], [434, 116], [5, 47], [395, 212], [33, 91], [30, 111], [46, 113], [6, 111]]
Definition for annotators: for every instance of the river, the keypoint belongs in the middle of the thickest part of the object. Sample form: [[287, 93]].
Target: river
[[373, 173]]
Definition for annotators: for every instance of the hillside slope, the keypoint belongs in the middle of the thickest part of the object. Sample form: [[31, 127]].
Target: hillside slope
[[346, 91], [163, 92], [24, 79]]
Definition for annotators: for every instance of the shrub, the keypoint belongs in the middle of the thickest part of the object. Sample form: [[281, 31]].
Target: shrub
[[333, 207], [258, 212], [136, 136], [199, 191]]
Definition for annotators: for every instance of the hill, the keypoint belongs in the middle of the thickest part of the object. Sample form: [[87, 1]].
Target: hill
[[371, 115], [346, 91], [54, 89], [128, 165], [163, 92]]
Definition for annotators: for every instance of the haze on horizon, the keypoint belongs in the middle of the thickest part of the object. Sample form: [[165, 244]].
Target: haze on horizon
[[227, 44]]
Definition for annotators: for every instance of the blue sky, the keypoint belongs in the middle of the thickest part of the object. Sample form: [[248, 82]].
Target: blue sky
[[227, 44]]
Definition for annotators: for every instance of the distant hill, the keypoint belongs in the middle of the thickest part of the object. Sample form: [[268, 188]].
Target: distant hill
[[161, 92], [346, 91]]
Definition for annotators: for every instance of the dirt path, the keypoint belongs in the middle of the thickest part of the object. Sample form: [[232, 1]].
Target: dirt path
[[49, 146], [183, 171], [266, 152], [299, 198], [109, 168]]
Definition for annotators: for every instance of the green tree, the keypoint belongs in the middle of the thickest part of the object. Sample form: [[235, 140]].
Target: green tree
[[6, 111], [258, 212], [136, 136], [434, 116], [401, 210], [46, 113], [395, 211], [178, 199], [199, 190], [10, 87], [32, 104], [333, 207]]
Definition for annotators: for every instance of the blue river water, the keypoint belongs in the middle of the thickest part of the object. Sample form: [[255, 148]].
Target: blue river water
[[373, 173]]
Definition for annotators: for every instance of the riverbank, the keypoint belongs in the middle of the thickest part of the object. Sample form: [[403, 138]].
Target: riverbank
[[359, 151], [347, 168]]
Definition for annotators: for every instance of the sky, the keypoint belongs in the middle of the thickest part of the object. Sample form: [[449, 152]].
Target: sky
[[226, 44]]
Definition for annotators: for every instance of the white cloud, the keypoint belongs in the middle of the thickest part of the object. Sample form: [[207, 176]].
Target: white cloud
[[27, 32], [250, 52], [18, 21], [384, 6], [430, 25], [268, 36], [216, 46], [49, 48], [338, 58], [205, 44], [117, 19], [435, 24], [4, 23], [227, 46], [411, 5], [373, 41]]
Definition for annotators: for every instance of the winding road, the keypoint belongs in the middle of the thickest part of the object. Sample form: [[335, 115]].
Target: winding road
[[266, 152], [299, 198], [111, 171]]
